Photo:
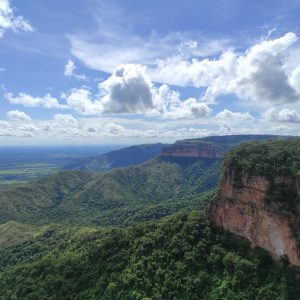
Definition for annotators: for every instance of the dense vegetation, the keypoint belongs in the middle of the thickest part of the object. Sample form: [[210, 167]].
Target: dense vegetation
[[271, 158], [176, 257], [124, 157], [124, 196], [180, 257]]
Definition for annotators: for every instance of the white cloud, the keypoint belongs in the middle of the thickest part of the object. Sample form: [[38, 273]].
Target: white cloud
[[111, 48], [128, 90], [65, 128], [80, 100], [227, 115], [260, 74], [65, 119], [69, 68], [8, 19], [295, 79], [70, 71], [18, 115], [189, 109], [27, 100], [283, 115]]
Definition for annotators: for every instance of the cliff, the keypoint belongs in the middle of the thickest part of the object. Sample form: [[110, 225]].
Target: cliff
[[211, 146], [259, 197], [197, 150]]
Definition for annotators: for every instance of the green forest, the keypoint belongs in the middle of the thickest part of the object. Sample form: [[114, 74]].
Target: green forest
[[178, 257], [139, 233]]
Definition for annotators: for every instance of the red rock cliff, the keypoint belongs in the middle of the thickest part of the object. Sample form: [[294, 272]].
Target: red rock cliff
[[200, 150], [247, 210]]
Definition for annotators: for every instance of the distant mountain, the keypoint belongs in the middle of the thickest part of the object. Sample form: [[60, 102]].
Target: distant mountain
[[212, 146], [232, 140], [133, 155]]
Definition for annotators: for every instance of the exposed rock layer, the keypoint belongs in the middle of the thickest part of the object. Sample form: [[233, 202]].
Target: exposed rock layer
[[248, 210], [200, 150]]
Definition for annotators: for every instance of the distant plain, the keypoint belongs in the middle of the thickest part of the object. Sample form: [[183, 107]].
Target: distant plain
[[20, 164]]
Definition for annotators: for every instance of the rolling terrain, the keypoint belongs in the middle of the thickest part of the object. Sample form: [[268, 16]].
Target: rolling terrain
[[142, 232], [151, 190]]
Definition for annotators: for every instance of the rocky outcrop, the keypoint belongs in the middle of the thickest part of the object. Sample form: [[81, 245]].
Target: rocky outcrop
[[196, 150], [248, 208]]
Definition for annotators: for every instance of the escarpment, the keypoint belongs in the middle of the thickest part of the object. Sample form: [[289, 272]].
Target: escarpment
[[197, 150], [259, 197]]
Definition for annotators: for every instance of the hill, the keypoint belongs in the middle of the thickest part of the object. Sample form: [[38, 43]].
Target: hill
[[180, 257], [124, 157], [148, 191], [13, 233]]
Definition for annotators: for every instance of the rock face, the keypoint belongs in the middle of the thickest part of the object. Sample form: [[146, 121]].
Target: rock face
[[198, 150], [247, 209]]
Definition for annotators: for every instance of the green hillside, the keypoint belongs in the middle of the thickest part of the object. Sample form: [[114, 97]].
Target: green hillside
[[124, 157], [180, 257], [13, 233], [149, 191], [269, 158]]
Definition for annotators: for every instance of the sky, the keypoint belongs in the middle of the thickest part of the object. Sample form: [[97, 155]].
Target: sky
[[132, 71]]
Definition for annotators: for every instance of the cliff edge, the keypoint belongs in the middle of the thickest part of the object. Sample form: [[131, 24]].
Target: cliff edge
[[197, 150], [259, 196]]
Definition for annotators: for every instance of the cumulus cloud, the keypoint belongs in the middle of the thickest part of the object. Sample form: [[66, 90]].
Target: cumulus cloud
[[283, 115], [189, 109], [262, 74], [65, 119], [227, 115], [80, 100], [18, 115], [8, 19], [128, 90], [259, 74], [29, 101], [70, 71]]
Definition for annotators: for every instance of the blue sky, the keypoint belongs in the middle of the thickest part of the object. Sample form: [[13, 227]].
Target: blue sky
[[130, 71]]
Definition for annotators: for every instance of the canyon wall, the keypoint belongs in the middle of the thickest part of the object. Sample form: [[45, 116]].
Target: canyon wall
[[247, 208], [197, 150]]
